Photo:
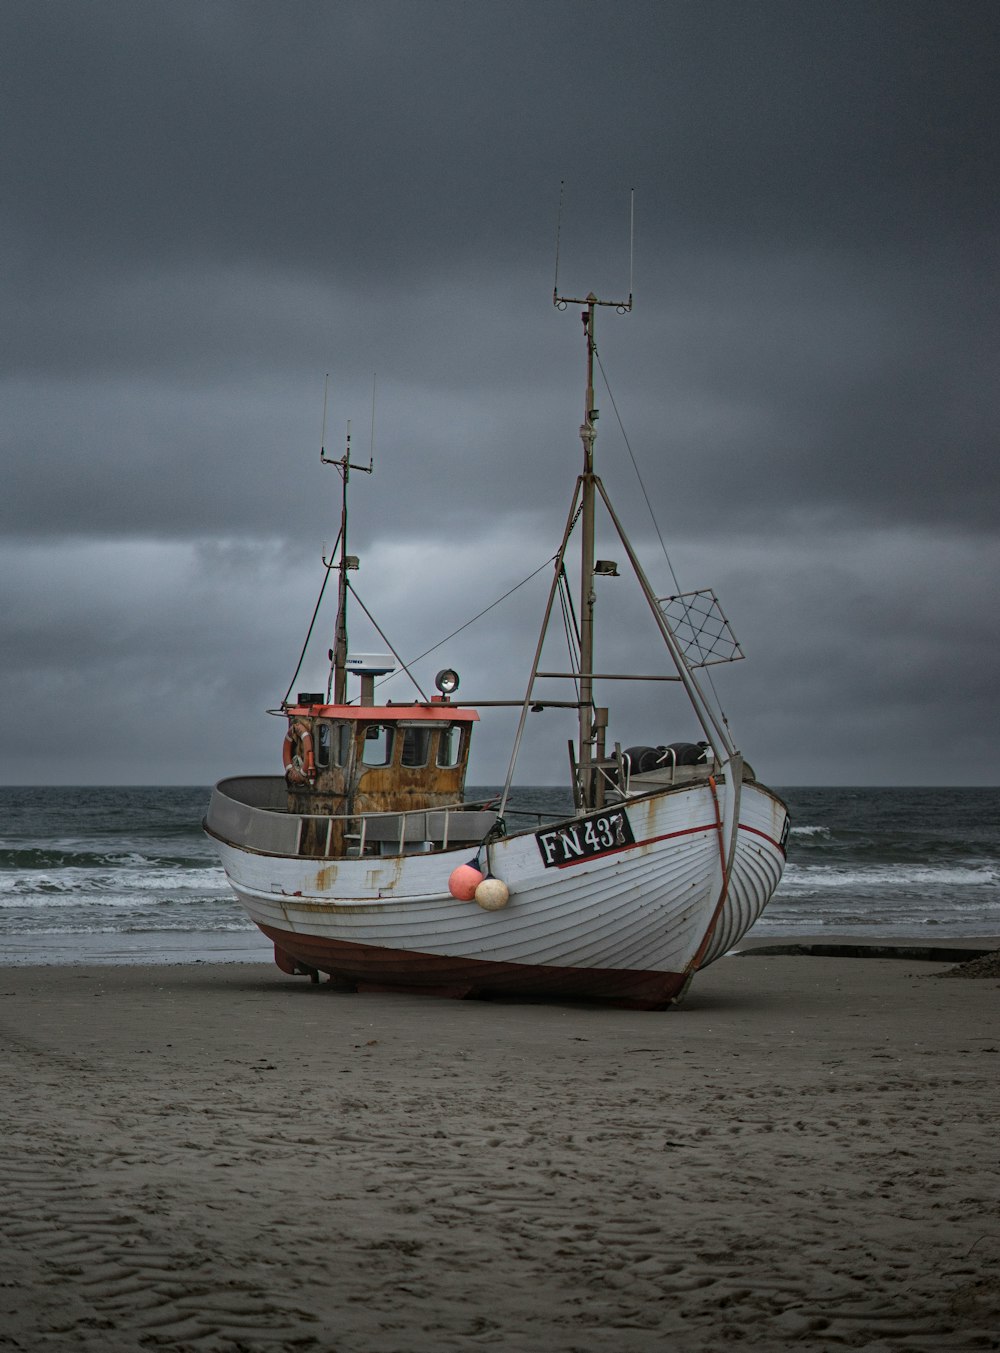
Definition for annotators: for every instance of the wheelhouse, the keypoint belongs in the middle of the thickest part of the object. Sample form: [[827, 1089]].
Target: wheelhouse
[[376, 758]]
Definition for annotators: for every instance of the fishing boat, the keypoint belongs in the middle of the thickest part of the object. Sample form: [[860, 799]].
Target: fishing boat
[[365, 860]]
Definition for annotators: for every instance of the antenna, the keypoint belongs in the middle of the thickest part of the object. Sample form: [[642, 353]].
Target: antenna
[[631, 239], [555, 288], [322, 435], [623, 307], [344, 462]]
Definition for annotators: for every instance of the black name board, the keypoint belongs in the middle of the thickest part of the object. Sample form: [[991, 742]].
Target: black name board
[[589, 836]]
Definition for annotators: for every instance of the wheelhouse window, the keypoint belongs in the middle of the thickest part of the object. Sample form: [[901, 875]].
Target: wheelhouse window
[[416, 746], [332, 741], [377, 745], [450, 745]]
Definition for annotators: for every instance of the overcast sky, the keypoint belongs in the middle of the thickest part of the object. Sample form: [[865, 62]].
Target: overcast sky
[[207, 206]]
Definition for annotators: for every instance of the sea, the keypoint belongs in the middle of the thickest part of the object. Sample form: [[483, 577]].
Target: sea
[[126, 875]]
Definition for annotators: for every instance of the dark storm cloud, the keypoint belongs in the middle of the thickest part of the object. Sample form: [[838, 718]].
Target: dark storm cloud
[[250, 130], [207, 206], [212, 194]]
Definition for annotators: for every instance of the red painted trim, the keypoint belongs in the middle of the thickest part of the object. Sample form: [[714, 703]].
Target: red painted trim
[[769, 839], [634, 845], [666, 836], [388, 713]]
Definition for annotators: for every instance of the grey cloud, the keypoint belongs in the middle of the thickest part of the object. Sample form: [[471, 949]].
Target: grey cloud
[[208, 206]]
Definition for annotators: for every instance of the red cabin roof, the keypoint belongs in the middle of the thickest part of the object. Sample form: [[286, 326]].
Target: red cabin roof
[[436, 712]]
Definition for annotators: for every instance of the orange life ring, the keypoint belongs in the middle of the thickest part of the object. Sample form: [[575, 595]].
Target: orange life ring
[[300, 766]]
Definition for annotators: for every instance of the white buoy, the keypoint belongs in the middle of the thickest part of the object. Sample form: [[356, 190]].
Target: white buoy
[[492, 894]]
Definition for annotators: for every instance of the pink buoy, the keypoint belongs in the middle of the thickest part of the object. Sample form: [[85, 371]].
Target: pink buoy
[[464, 881]]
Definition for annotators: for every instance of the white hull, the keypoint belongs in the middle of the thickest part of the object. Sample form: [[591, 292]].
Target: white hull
[[631, 922]]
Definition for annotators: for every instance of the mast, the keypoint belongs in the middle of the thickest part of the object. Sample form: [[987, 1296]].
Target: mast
[[338, 653], [588, 480], [588, 435], [340, 629]]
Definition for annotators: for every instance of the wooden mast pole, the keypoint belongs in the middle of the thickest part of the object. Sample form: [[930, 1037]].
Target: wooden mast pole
[[345, 465], [588, 435], [340, 634], [586, 779]]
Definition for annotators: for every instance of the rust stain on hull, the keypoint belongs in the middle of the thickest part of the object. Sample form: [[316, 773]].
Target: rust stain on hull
[[325, 878]]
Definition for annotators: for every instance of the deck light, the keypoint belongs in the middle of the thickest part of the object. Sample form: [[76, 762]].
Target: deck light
[[446, 681]]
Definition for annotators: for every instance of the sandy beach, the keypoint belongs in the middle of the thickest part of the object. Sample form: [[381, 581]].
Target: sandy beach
[[217, 1157]]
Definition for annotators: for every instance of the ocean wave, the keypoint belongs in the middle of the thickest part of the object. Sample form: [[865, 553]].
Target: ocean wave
[[62, 856], [236, 925], [887, 877], [110, 884], [854, 923]]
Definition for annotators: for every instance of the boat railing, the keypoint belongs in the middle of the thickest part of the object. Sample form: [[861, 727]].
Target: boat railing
[[252, 811], [452, 824], [537, 817]]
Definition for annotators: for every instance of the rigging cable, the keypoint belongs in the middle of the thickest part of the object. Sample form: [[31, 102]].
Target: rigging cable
[[441, 642], [326, 578], [382, 636], [635, 467], [652, 516], [570, 627], [329, 568]]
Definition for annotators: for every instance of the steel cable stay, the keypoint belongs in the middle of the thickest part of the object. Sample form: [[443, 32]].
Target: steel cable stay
[[635, 467], [570, 627], [385, 640], [679, 596], [479, 615], [332, 565], [472, 620], [327, 570]]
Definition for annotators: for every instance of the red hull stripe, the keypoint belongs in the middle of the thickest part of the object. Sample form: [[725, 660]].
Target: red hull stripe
[[666, 836], [769, 839], [620, 850], [371, 967]]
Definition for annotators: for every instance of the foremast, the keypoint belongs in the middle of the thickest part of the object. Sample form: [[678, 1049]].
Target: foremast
[[345, 561]]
